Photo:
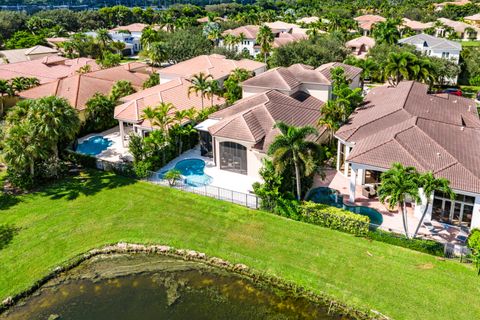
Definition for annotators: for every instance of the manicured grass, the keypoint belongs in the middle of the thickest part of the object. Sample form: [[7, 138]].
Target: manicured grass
[[470, 43], [93, 209]]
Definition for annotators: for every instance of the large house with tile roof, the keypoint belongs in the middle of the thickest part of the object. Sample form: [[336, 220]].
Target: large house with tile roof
[[28, 54], [79, 88], [430, 132], [216, 65], [367, 21], [130, 112], [238, 137]]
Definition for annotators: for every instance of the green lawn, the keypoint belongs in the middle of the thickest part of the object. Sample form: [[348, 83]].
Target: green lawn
[[94, 209], [470, 43]]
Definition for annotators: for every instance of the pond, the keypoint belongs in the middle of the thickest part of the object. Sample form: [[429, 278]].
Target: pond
[[145, 287]]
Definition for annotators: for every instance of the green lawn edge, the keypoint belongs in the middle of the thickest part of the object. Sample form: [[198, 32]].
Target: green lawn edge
[[71, 217]]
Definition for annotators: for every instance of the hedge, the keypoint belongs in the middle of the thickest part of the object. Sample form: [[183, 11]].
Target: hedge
[[84, 160], [425, 246], [334, 218]]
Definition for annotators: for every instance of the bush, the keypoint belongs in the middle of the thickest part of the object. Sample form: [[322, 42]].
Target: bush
[[425, 246], [80, 159], [142, 168], [334, 218], [475, 81]]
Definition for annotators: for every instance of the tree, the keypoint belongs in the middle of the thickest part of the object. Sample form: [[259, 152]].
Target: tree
[[330, 118], [121, 89], [265, 39], [429, 184], [292, 147], [232, 84], [473, 243], [399, 66], [149, 36], [118, 46], [186, 44], [156, 53], [200, 83], [153, 80], [24, 39], [99, 113], [172, 176], [387, 31], [398, 184], [109, 60], [269, 190]]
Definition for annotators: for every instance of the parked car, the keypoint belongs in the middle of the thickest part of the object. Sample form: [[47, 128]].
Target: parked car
[[454, 91]]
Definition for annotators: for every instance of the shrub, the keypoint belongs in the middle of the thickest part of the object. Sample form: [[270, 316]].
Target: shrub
[[173, 176], [425, 246], [475, 81], [334, 218], [142, 168], [474, 244], [83, 160]]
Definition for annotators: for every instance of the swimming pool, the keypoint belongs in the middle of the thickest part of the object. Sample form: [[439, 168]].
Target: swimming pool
[[333, 198], [94, 145], [192, 171]]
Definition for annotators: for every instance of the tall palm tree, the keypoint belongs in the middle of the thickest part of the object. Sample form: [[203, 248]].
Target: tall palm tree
[[121, 88], [387, 32], [200, 84], [103, 38], [330, 117], [423, 71], [213, 89], [156, 53], [149, 35], [398, 184], [292, 147], [118, 46], [429, 185], [265, 39], [167, 21], [399, 66]]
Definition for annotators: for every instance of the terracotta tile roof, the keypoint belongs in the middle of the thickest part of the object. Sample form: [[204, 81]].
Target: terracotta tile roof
[[47, 69], [407, 125], [249, 31], [28, 54], [284, 38], [282, 78], [79, 88], [370, 18], [358, 42], [350, 71], [175, 92], [475, 17], [458, 26], [216, 65], [281, 25], [308, 20], [134, 27], [252, 119], [416, 25]]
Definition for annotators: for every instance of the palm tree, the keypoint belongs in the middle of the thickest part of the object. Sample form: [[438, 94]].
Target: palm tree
[[120, 89], [212, 90], [167, 21], [429, 185], [156, 53], [149, 35], [265, 39], [398, 184], [399, 66], [387, 32], [103, 38], [5, 89], [423, 71], [292, 147], [200, 83], [118, 46], [330, 117]]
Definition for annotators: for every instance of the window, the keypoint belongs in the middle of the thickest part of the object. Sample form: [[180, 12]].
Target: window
[[233, 157], [445, 55], [457, 212]]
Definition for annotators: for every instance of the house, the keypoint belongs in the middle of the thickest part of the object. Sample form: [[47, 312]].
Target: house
[[416, 26], [56, 42], [308, 20], [367, 21], [135, 29], [360, 46], [442, 5], [435, 47], [48, 69], [238, 137], [79, 88], [300, 77], [463, 31], [474, 20], [286, 33], [130, 113], [131, 40], [430, 132], [29, 54], [218, 66]]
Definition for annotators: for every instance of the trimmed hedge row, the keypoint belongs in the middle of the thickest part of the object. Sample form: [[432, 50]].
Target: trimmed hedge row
[[334, 218], [420, 245]]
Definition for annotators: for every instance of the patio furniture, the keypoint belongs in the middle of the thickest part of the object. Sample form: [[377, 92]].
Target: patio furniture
[[429, 226], [461, 238], [369, 191]]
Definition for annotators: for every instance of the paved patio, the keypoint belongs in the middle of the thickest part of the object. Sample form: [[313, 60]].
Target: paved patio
[[221, 178], [114, 153], [392, 221]]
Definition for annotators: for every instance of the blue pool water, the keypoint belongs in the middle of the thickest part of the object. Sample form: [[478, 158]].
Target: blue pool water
[[94, 145], [333, 198], [192, 171]]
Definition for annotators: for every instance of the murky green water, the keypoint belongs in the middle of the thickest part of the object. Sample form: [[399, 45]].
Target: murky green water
[[141, 287]]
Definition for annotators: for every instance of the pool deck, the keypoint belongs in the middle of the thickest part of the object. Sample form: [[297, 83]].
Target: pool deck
[[392, 221], [116, 151], [221, 178]]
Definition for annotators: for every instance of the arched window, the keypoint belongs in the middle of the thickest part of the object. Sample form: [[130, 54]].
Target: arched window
[[233, 157]]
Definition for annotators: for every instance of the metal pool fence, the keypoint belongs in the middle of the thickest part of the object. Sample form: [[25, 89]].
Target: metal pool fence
[[244, 199]]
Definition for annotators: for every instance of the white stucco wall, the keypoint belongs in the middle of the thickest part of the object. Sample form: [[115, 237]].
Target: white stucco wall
[[250, 91], [319, 91]]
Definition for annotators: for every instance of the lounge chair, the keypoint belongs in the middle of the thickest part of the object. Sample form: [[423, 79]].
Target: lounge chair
[[369, 191]]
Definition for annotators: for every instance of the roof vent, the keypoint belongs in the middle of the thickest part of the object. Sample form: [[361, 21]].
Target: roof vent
[[455, 101], [462, 128], [469, 108], [438, 154]]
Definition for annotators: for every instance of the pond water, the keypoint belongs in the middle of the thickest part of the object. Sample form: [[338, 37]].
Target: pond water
[[145, 287]]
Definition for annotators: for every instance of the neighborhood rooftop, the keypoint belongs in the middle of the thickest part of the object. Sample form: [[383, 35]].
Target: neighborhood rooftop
[[216, 65], [431, 42], [430, 132]]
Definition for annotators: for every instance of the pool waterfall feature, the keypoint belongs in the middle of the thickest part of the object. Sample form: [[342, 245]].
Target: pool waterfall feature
[[132, 281], [333, 198]]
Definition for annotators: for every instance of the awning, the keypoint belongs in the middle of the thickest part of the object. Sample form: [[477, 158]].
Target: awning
[[203, 126]]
